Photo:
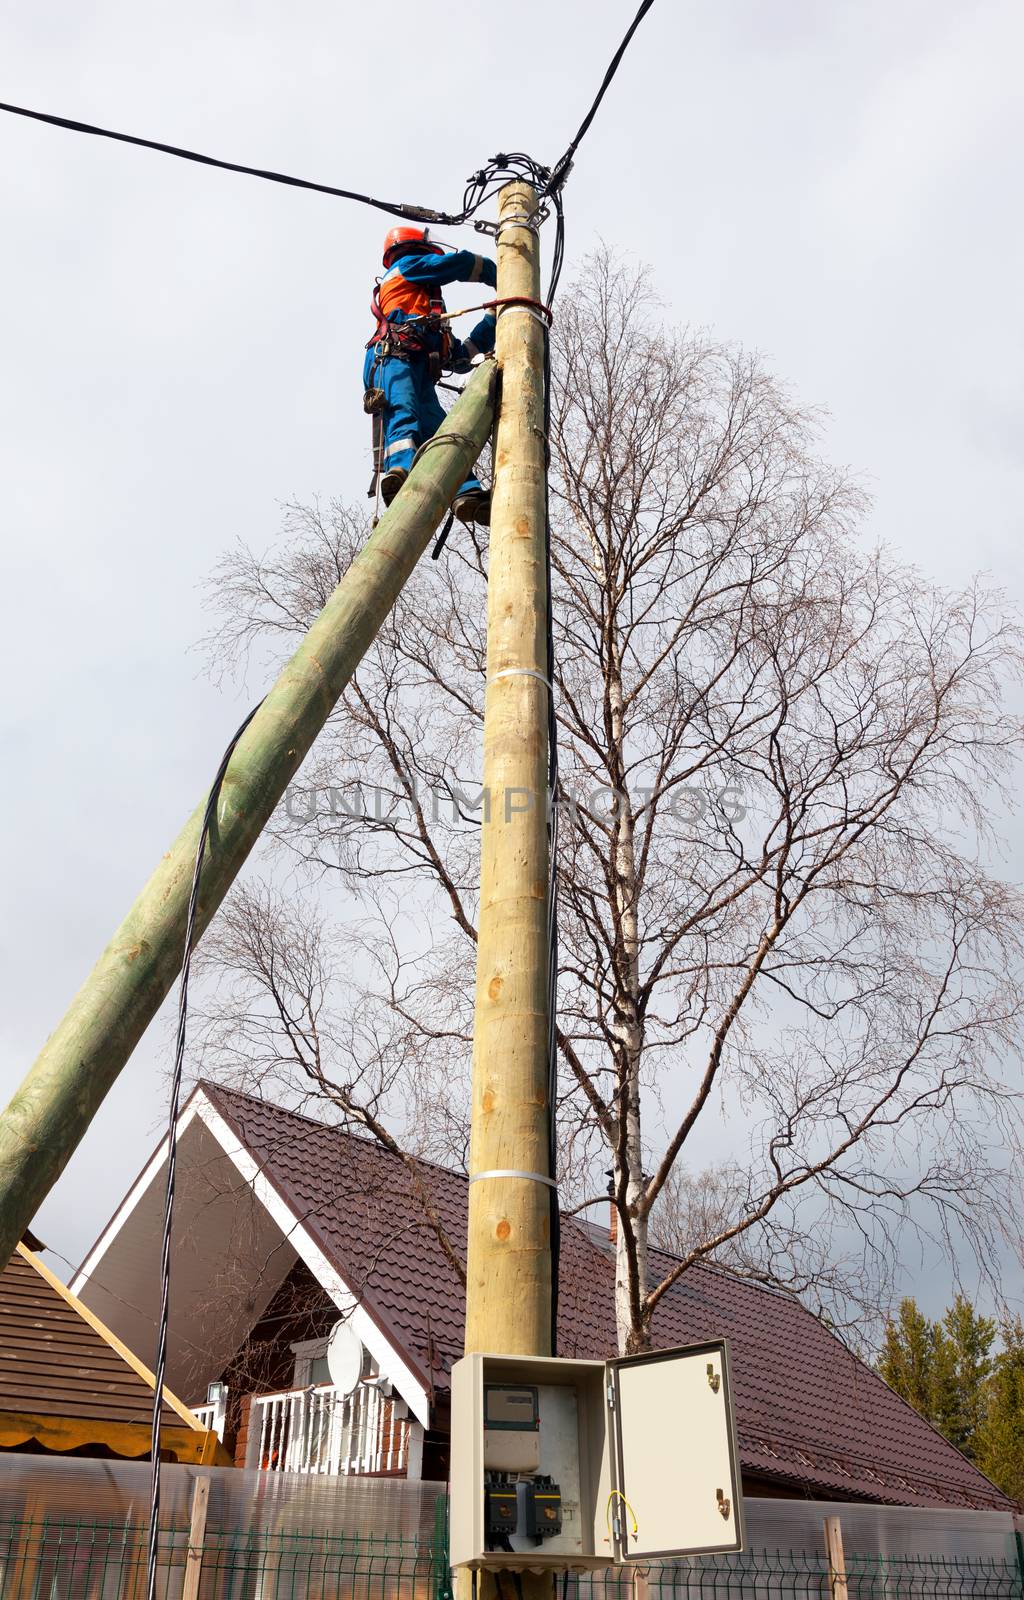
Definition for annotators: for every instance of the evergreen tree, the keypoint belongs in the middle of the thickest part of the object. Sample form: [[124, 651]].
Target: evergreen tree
[[1001, 1435], [960, 1367], [949, 1374], [907, 1357]]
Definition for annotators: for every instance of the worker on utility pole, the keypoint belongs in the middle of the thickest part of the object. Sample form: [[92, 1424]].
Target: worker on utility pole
[[410, 347]]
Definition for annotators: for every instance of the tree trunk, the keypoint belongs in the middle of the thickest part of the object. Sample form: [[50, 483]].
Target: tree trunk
[[631, 1235], [631, 1238]]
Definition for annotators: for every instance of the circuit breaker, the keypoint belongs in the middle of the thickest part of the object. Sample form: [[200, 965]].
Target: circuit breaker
[[560, 1464]]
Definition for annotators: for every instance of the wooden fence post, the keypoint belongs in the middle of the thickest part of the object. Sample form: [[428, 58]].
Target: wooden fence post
[[836, 1558], [196, 1539]]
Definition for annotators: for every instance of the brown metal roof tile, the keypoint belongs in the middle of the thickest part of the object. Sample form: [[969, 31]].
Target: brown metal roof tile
[[55, 1363]]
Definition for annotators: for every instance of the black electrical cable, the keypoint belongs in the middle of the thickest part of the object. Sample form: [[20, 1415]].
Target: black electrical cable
[[160, 1364], [560, 171], [558, 254], [479, 187], [552, 908], [395, 208]]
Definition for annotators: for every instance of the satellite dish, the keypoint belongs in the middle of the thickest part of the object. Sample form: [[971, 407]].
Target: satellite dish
[[344, 1357]]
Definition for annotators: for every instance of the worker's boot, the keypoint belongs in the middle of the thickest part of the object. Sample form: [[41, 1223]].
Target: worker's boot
[[391, 482], [474, 506]]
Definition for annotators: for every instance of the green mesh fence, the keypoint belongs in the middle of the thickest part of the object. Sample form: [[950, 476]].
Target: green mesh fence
[[802, 1575], [63, 1560], [60, 1559], [932, 1578]]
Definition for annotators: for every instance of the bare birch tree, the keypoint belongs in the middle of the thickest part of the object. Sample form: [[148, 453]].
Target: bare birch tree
[[783, 760]]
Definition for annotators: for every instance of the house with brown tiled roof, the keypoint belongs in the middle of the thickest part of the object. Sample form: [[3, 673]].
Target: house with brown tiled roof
[[287, 1228]]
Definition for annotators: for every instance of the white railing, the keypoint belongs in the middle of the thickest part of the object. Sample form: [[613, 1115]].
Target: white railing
[[320, 1430], [212, 1414]]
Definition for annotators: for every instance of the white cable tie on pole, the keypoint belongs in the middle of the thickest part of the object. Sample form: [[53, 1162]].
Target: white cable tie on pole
[[513, 1172], [522, 672], [530, 312]]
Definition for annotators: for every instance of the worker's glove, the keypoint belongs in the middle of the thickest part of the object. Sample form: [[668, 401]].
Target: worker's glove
[[463, 356]]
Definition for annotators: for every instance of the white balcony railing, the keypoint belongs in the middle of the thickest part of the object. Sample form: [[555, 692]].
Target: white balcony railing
[[320, 1430], [212, 1413]]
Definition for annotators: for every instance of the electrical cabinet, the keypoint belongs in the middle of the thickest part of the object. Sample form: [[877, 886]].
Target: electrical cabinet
[[580, 1464]]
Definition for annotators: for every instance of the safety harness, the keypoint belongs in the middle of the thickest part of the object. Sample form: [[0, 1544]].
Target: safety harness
[[405, 339]]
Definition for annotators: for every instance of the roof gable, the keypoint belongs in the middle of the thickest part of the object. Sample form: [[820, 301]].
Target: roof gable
[[808, 1410]]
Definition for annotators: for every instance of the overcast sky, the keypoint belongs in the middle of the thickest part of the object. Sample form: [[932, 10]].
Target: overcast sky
[[836, 185]]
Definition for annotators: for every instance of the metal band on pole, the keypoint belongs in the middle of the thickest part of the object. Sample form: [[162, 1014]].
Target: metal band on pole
[[512, 1172]]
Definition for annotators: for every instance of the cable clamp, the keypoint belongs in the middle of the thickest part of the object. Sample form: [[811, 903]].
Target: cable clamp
[[522, 219], [513, 1172], [522, 672]]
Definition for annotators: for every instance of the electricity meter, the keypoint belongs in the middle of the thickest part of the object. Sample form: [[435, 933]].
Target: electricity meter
[[511, 1427]]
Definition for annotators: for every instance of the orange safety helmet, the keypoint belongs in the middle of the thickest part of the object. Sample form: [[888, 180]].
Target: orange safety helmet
[[418, 237]]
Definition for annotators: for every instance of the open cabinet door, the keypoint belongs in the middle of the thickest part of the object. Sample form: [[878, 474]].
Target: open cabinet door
[[674, 1459]]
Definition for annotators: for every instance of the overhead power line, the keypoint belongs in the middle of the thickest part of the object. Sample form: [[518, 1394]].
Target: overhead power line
[[478, 187], [396, 208], [560, 171]]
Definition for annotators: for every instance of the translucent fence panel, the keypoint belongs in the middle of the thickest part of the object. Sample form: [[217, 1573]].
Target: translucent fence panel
[[880, 1530], [113, 1492]]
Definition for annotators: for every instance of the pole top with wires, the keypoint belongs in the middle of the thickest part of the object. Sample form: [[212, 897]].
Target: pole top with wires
[[480, 186]]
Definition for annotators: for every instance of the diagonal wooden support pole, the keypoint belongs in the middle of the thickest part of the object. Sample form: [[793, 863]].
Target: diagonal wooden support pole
[[81, 1059]]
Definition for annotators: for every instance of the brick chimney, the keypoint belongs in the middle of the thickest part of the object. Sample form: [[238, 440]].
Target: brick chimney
[[613, 1215]]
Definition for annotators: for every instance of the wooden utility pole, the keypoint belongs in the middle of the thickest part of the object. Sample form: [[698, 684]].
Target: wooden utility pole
[[81, 1059], [508, 1288]]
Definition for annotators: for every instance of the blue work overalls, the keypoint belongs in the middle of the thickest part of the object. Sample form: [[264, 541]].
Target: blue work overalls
[[412, 411]]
